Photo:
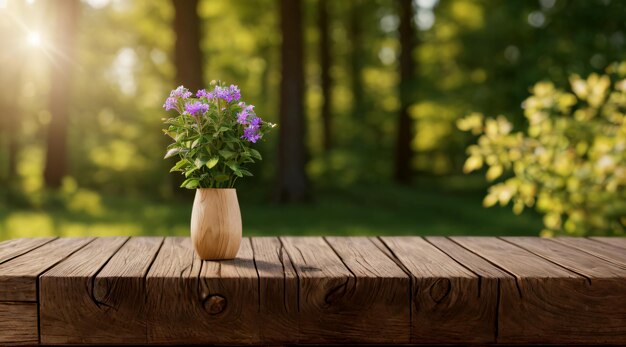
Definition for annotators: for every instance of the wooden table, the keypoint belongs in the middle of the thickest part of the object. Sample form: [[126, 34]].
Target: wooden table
[[333, 290]]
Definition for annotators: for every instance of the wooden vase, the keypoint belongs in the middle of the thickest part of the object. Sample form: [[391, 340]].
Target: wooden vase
[[216, 223]]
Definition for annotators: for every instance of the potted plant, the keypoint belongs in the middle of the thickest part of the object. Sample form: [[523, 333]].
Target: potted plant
[[213, 135]]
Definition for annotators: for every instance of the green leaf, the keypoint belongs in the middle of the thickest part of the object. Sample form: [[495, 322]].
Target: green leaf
[[195, 142], [212, 162], [172, 152], [226, 154], [223, 129], [190, 183], [179, 165], [234, 166], [246, 172], [255, 154], [200, 161], [221, 178]]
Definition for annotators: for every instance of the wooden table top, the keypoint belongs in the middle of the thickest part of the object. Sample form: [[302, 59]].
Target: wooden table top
[[320, 290]]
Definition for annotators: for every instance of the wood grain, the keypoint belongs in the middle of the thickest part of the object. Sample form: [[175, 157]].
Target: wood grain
[[12, 248], [216, 223], [67, 296], [547, 303], [382, 291], [447, 299], [613, 241], [278, 292], [324, 288], [314, 290], [607, 252], [18, 276], [570, 258], [210, 302], [18, 323], [335, 303], [97, 295]]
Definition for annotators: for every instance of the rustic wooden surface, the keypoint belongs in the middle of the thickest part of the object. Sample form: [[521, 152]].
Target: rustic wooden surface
[[314, 290]]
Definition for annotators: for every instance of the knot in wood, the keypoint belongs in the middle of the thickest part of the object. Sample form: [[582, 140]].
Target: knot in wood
[[215, 304], [440, 289]]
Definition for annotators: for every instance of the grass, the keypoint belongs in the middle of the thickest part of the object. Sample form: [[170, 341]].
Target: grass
[[387, 210]]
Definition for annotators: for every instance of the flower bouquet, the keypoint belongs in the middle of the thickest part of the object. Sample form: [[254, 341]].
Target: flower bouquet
[[213, 133]]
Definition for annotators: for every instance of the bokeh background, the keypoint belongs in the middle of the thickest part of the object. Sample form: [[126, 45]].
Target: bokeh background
[[367, 94]]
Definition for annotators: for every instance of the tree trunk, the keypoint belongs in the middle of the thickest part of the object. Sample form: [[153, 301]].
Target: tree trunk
[[188, 55], [64, 35], [188, 60], [293, 183], [356, 59], [325, 63], [404, 153], [10, 118]]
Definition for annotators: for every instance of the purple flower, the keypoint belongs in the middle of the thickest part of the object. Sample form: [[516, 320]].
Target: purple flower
[[243, 115], [251, 134], [196, 108], [204, 93], [255, 122], [228, 94], [170, 104], [180, 92]]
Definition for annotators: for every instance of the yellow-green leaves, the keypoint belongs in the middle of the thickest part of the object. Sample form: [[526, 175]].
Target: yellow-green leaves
[[494, 172], [212, 162], [570, 164], [473, 122], [473, 163]]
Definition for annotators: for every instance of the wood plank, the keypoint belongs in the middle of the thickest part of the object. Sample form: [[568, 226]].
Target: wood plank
[[18, 276], [112, 309], [278, 291], [18, 323], [547, 304], [380, 300], [473, 262], [614, 241], [571, 258], [10, 249], [210, 302], [325, 292], [607, 252], [447, 299]]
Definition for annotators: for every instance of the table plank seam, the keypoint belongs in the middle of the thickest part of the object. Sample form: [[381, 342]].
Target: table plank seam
[[392, 255], [480, 278], [28, 250], [281, 254], [346, 285], [587, 278], [99, 303], [515, 277], [601, 241], [340, 258], [582, 249], [258, 277], [295, 268], [39, 278], [461, 264], [145, 279]]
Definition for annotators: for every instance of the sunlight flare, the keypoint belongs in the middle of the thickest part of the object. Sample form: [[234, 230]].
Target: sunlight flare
[[34, 39]]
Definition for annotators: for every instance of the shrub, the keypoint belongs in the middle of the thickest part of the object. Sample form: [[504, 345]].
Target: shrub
[[570, 163]]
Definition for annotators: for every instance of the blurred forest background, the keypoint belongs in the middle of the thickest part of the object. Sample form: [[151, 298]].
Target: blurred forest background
[[366, 93]]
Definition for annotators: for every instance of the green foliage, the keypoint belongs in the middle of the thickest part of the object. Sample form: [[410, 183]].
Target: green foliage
[[210, 143], [571, 162]]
